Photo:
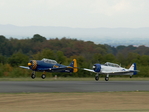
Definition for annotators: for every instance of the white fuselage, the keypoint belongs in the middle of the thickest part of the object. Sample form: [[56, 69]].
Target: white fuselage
[[114, 70]]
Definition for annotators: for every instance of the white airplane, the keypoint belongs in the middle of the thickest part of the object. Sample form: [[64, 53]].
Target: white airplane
[[112, 69]]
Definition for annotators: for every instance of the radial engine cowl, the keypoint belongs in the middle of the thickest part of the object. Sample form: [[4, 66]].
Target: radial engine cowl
[[32, 64], [97, 67]]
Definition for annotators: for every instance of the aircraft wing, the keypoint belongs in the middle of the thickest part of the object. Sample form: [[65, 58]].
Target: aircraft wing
[[24, 67], [51, 69], [109, 72], [90, 70], [121, 72]]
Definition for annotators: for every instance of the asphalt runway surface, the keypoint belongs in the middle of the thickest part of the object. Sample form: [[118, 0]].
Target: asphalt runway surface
[[71, 86]]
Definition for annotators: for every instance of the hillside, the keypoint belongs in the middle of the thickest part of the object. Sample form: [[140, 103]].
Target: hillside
[[15, 52], [111, 36]]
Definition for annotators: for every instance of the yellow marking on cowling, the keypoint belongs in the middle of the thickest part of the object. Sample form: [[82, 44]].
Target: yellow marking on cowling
[[29, 64], [34, 64]]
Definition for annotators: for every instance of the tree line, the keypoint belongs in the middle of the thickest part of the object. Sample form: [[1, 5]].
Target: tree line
[[15, 52]]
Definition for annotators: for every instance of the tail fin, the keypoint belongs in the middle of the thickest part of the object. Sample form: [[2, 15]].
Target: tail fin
[[134, 68], [74, 65]]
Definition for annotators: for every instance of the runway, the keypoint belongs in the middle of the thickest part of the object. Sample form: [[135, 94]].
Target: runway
[[71, 86]]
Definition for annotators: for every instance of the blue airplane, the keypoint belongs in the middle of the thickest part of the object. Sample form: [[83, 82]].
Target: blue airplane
[[49, 65]]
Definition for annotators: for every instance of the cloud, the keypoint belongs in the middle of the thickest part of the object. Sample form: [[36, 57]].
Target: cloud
[[75, 13], [113, 7]]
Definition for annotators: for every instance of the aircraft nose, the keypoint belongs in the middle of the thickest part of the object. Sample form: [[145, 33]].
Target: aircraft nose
[[29, 64], [32, 64]]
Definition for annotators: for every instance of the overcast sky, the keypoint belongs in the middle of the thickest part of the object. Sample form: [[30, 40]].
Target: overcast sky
[[75, 13]]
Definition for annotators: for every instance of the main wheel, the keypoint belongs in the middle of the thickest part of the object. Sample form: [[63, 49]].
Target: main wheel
[[43, 76], [33, 76], [106, 78], [96, 78]]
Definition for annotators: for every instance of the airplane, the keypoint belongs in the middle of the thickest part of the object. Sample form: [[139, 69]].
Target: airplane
[[49, 65], [112, 69]]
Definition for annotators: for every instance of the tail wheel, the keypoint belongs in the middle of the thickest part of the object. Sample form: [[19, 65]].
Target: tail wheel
[[96, 78], [43, 76]]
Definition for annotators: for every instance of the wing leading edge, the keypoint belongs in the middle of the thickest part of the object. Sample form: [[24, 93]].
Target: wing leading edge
[[24, 67]]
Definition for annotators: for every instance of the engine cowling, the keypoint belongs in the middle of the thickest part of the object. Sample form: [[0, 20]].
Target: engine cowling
[[97, 67], [32, 64]]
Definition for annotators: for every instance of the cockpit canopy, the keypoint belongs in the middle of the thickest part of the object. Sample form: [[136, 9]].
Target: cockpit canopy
[[111, 64], [49, 61]]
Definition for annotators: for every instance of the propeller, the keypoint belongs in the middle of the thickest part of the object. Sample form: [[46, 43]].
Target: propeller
[[32, 64], [97, 67]]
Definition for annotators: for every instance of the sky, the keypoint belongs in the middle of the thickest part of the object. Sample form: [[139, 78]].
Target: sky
[[75, 13]]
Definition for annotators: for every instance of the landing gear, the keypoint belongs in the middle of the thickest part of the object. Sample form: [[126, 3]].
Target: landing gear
[[97, 77], [130, 76], [107, 77], [33, 75], [43, 76]]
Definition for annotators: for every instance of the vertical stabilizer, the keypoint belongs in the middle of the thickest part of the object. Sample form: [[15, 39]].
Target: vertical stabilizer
[[134, 67], [74, 65]]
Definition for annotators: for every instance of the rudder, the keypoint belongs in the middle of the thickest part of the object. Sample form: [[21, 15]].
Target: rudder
[[74, 65], [134, 67]]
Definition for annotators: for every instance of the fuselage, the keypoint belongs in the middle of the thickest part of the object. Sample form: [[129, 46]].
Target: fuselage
[[109, 68], [114, 69]]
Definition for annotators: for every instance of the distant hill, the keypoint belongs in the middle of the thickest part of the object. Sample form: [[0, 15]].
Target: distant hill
[[111, 36]]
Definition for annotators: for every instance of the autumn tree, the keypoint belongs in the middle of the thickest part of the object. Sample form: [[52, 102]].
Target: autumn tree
[[38, 38], [18, 59], [45, 53]]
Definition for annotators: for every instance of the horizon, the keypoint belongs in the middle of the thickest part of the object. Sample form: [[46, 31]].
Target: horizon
[[110, 36], [72, 27]]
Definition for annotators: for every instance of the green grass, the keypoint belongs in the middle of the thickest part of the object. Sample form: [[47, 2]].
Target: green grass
[[76, 102], [141, 110]]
